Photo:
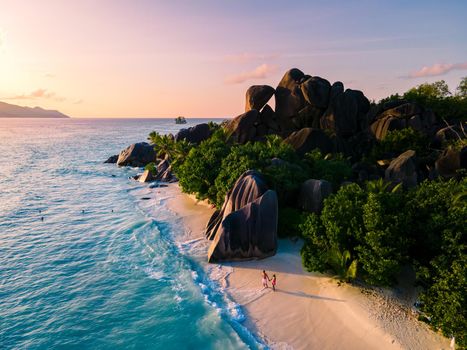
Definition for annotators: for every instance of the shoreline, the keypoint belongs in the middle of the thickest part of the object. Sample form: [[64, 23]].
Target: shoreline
[[308, 310]]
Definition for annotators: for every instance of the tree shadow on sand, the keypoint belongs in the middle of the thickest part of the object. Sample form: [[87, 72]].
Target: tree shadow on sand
[[305, 295]]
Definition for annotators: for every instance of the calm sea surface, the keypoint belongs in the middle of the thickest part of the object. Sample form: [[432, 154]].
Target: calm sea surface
[[111, 276]]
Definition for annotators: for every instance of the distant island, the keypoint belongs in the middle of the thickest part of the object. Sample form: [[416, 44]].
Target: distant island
[[12, 111], [180, 120]]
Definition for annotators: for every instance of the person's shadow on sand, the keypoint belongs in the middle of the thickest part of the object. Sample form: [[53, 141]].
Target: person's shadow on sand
[[305, 295]]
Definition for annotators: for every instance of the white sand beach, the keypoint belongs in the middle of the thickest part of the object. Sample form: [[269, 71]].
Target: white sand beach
[[308, 310]]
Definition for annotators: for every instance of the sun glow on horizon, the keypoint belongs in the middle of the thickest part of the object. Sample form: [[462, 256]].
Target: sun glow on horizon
[[160, 59]]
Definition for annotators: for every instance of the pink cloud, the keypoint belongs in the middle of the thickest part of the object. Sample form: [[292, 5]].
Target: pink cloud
[[39, 93], [437, 69], [260, 72]]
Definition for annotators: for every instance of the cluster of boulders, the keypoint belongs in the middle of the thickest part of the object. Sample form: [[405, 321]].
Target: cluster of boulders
[[142, 153], [310, 113]]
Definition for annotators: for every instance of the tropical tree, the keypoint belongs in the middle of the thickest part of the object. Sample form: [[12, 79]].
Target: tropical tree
[[461, 90]]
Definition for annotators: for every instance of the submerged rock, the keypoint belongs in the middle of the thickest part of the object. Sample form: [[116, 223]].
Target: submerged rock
[[112, 159], [246, 226], [138, 154], [147, 176]]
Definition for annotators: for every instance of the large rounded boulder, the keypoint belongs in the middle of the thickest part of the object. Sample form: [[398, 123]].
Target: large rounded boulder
[[246, 226], [312, 195], [316, 91], [307, 139], [405, 115], [268, 120], [243, 128], [450, 161], [138, 154], [195, 134], [403, 170], [346, 113], [289, 97], [257, 96]]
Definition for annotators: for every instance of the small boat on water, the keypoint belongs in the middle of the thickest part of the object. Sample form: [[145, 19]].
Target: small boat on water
[[180, 120]]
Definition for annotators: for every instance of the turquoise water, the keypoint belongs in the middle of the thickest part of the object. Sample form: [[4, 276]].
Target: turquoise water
[[111, 276]]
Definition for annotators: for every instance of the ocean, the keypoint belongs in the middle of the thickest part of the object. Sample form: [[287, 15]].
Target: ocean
[[85, 261]]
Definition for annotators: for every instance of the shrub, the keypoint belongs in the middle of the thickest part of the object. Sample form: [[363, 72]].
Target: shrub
[[256, 156], [380, 230], [289, 222], [315, 250], [330, 239], [357, 226], [399, 141], [438, 98], [286, 180], [151, 167], [440, 220], [382, 249], [201, 166], [334, 169], [429, 205]]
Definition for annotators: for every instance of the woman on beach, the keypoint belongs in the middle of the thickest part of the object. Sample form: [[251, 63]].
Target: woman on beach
[[265, 279], [273, 282]]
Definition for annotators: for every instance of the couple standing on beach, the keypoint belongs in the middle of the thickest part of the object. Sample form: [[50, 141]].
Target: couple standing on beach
[[266, 279]]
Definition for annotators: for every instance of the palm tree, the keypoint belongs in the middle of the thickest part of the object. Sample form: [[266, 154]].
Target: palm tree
[[163, 144], [381, 186], [342, 263], [273, 141]]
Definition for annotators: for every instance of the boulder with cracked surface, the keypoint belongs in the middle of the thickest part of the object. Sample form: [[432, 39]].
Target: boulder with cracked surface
[[246, 226]]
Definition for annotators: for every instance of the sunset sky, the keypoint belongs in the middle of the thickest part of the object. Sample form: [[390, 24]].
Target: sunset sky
[[116, 58]]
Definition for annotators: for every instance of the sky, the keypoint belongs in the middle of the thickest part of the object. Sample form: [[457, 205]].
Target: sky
[[153, 58]]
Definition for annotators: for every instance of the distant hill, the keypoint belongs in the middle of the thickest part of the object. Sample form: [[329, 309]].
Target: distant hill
[[12, 111]]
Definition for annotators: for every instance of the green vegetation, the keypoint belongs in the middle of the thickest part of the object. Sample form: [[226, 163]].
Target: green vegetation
[[256, 156], [365, 231], [290, 220], [399, 141], [151, 167], [438, 98], [439, 220], [166, 146], [201, 166], [332, 168], [374, 231]]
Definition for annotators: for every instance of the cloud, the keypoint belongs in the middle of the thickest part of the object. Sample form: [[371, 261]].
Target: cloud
[[247, 57], [437, 69], [78, 102], [38, 94], [49, 75], [260, 72]]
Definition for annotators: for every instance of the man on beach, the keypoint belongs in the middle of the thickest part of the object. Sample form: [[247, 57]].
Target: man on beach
[[265, 279]]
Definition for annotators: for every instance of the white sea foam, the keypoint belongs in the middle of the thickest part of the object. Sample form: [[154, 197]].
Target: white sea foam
[[154, 274]]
